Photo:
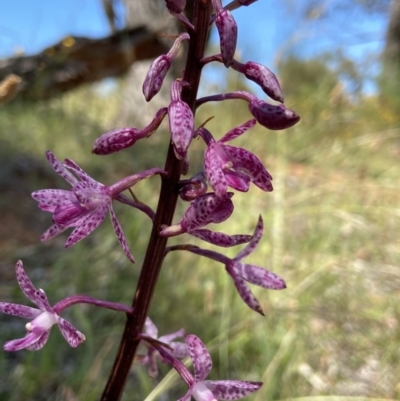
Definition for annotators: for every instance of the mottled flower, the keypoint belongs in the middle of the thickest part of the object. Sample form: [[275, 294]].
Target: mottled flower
[[268, 115], [179, 350], [181, 121], [228, 32], [242, 272], [160, 66], [199, 388], [43, 318], [232, 166], [262, 76], [122, 138], [86, 205], [207, 209]]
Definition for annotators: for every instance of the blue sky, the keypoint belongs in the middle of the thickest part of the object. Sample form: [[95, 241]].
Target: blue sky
[[266, 28]]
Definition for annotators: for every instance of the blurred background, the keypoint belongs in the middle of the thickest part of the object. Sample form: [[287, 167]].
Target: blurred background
[[72, 70]]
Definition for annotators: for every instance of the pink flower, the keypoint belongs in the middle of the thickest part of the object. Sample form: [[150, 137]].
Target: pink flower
[[199, 388], [86, 205], [242, 272], [231, 166], [207, 209], [44, 317], [179, 350]]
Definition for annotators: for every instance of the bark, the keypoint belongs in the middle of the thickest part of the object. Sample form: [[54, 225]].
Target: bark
[[78, 60]]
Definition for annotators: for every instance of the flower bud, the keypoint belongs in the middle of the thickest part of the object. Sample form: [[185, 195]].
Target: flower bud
[[155, 76], [175, 6], [262, 76], [271, 116], [227, 30]]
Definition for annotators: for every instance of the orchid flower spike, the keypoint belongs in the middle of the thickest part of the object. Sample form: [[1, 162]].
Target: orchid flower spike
[[230, 166], [179, 349], [44, 317], [199, 388], [207, 209], [86, 205], [242, 272]]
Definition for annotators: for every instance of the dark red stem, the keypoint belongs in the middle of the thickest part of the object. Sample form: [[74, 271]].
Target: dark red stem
[[165, 212]]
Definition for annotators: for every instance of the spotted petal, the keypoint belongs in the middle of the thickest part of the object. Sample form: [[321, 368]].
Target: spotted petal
[[21, 343], [220, 239], [259, 276], [120, 235], [70, 333], [237, 131], [89, 224], [24, 282], [247, 162], [245, 292], [49, 199], [231, 389], [40, 343], [249, 248], [198, 352], [52, 231], [19, 310], [60, 169]]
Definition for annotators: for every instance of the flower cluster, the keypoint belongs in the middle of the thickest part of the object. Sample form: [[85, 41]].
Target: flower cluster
[[226, 168]]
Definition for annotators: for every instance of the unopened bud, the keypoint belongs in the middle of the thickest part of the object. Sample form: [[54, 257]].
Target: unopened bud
[[271, 116], [175, 6], [227, 30]]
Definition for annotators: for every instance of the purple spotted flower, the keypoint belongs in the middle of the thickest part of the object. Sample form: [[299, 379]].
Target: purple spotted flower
[[160, 66], [242, 272], [274, 117], [181, 121], [227, 30], [207, 209], [122, 138], [86, 205], [179, 350], [44, 317], [199, 388], [231, 166]]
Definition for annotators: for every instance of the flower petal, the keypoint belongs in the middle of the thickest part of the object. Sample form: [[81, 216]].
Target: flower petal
[[220, 239], [49, 199], [237, 180], [52, 231], [89, 224], [248, 163], [259, 276], [40, 299], [19, 310], [245, 292], [150, 328], [179, 350], [71, 165], [40, 343], [214, 172], [60, 169], [258, 232], [120, 235], [170, 337], [24, 282], [231, 389], [21, 343], [237, 131], [200, 356], [70, 333], [207, 209]]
